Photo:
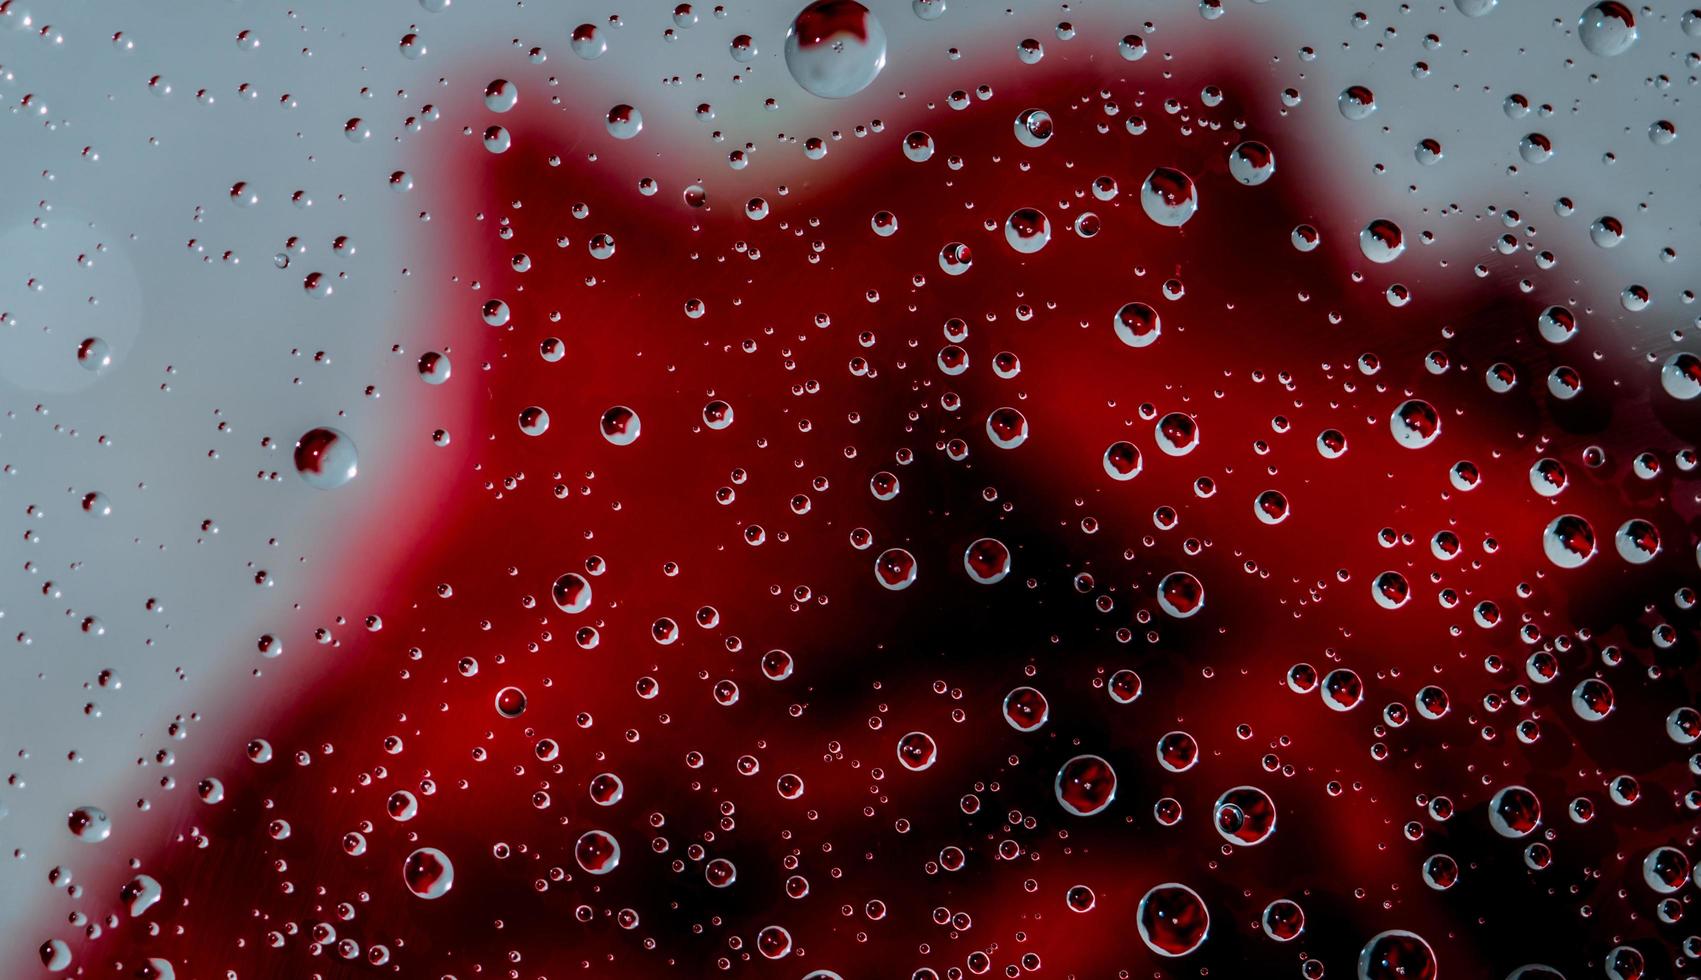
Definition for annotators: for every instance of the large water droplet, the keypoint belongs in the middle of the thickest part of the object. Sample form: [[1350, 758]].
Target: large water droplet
[[1514, 812], [1122, 461], [1173, 920], [1026, 709], [620, 426], [1637, 541], [501, 95], [895, 569], [1607, 28], [1415, 424], [1252, 163], [917, 751], [1027, 230], [1137, 324], [89, 824], [1168, 197], [1181, 595], [1085, 785], [1034, 128], [1680, 376], [1568, 540], [987, 561], [835, 48], [140, 893], [1245, 815], [572, 593], [326, 458], [1381, 241], [1396, 955], [597, 852], [587, 42]]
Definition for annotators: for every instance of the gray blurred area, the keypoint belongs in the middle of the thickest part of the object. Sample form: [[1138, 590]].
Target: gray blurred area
[[127, 126]]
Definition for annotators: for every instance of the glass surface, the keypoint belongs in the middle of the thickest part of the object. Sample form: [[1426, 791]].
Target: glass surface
[[932, 488]]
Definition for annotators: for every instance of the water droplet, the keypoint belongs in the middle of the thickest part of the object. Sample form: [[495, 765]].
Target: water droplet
[[895, 569], [1176, 434], [96, 503], [1271, 507], [140, 893], [1638, 541], [1568, 541], [624, 122], [89, 824], [987, 561], [956, 258], [326, 458], [918, 147], [428, 873], [1122, 461], [1665, 870], [835, 48], [1342, 689], [501, 95], [1396, 955], [1137, 324], [1381, 241], [434, 367], [917, 751], [572, 593], [94, 355], [55, 955], [1245, 815], [1034, 128], [1252, 163], [1181, 595], [1026, 709], [928, 9], [1607, 232], [1680, 376], [1415, 424], [1085, 785], [1390, 590], [1557, 324], [510, 702], [1283, 920], [1173, 920], [1514, 812], [717, 415], [1124, 686], [597, 852], [1356, 102], [1607, 28], [534, 421], [1007, 428], [620, 426], [1535, 148], [587, 42], [1027, 230], [1168, 197]]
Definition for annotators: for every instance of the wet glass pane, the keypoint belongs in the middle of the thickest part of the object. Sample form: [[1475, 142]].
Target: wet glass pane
[[916, 488]]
